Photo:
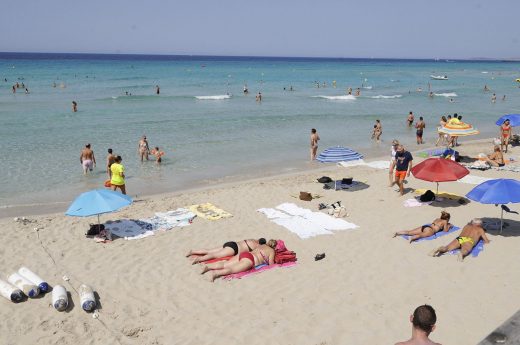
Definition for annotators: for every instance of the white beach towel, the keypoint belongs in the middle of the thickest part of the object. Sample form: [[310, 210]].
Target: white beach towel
[[375, 164], [304, 222], [473, 179], [415, 203]]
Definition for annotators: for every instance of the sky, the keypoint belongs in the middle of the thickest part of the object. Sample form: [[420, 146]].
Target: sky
[[309, 28]]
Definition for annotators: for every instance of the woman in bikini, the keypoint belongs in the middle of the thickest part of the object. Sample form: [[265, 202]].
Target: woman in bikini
[[505, 134], [442, 137], [228, 249], [263, 254], [428, 230]]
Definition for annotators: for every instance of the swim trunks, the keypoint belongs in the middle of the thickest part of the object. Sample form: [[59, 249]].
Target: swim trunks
[[87, 164], [401, 175], [463, 240], [419, 133]]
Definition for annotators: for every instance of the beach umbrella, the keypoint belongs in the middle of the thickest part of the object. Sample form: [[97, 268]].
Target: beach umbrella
[[338, 154], [514, 120], [439, 170], [96, 202], [458, 129], [500, 191]]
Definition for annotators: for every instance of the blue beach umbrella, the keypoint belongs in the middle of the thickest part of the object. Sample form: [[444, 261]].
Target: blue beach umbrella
[[97, 202], [499, 191], [514, 119], [338, 154]]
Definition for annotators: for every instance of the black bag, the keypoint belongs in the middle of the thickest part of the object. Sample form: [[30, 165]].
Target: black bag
[[95, 229], [347, 180], [324, 179], [427, 196]]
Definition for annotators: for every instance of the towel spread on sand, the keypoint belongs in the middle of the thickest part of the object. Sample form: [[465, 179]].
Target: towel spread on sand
[[434, 236], [375, 164], [304, 222], [413, 202], [258, 269], [473, 179], [209, 211], [134, 229]]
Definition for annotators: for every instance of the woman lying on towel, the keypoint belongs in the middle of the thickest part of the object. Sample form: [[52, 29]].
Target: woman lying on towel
[[228, 249], [263, 254], [428, 230]]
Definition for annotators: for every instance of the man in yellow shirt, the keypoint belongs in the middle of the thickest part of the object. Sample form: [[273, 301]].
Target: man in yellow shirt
[[118, 175]]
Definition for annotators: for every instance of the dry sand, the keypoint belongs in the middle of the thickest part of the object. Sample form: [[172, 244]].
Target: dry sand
[[361, 293]]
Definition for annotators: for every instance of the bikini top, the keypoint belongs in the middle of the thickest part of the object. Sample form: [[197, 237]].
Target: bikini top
[[248, 247]]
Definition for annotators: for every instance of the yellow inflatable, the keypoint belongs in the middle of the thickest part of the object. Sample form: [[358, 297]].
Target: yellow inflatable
[[517, 80]]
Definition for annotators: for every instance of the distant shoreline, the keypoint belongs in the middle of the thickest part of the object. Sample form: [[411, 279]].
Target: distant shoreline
[[197, 57]]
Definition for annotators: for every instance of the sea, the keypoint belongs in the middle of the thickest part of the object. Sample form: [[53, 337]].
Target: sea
[[207, 127]]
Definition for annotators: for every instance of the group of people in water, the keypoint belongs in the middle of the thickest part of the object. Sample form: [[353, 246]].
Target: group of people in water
[[114, 168]]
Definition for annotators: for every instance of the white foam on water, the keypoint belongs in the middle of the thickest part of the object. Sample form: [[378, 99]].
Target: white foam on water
[[215, 97], [446, 94], [367, 87], [386, 97], [484, 72], [338, 98]]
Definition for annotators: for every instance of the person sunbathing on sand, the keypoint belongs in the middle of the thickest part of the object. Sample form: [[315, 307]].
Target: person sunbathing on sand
[[423, 323], [228, 249], [496, 159], [428, 230], [263, 254], [468, 238]]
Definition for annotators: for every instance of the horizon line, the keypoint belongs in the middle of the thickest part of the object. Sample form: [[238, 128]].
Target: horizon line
[[443, 59]]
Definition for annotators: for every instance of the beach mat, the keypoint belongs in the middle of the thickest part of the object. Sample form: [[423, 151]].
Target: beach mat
[[434, 236], [258, 269], [209, 211]]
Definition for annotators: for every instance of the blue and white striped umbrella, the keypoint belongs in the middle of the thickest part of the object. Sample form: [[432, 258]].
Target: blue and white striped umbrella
[[338, 154]]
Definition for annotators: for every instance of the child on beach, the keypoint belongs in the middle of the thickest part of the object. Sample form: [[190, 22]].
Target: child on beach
[[158, 154]]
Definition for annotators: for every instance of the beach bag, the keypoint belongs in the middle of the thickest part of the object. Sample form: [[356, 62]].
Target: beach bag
[[95, 229], [347, 180], [306, 196], [324, 179], [427, 196]]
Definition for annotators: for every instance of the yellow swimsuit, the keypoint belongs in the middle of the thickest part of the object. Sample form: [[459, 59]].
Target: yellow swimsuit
[[463, 240]]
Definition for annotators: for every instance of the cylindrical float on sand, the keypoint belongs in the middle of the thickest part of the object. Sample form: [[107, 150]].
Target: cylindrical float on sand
[[60, 300], [10, 292], [34, 278], [87, 299], [24, 284]]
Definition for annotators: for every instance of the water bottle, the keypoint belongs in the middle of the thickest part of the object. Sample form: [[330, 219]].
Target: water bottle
[[34, 278], [86, 296], [60, 300], [10, 292], [23, 284]]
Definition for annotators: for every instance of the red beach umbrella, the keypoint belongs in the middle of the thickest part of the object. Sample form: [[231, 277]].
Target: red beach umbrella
[[439, 170]]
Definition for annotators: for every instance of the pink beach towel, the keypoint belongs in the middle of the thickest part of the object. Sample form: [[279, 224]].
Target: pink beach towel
[[258, 269]]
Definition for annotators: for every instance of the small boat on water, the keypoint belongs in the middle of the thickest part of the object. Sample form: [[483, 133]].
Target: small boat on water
[[439, 77]]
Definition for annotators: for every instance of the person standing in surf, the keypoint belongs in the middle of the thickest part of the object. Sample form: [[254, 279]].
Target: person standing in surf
[[314, 143], [420, 126]]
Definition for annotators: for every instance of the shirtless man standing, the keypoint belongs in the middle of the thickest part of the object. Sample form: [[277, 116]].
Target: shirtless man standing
[[419, 126], [423, 323], [87, 159], [110, 160], [314, 143], [468, 238], [143, 149]]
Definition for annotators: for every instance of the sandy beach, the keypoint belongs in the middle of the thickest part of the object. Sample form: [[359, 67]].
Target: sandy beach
[[361, 293]]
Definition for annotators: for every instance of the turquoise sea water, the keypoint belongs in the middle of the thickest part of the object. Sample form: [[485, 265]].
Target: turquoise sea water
[[41, 138]]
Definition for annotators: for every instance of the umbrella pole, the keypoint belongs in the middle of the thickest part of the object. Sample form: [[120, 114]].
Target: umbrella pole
[[99, 223], [437, 189], [501, 220]]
